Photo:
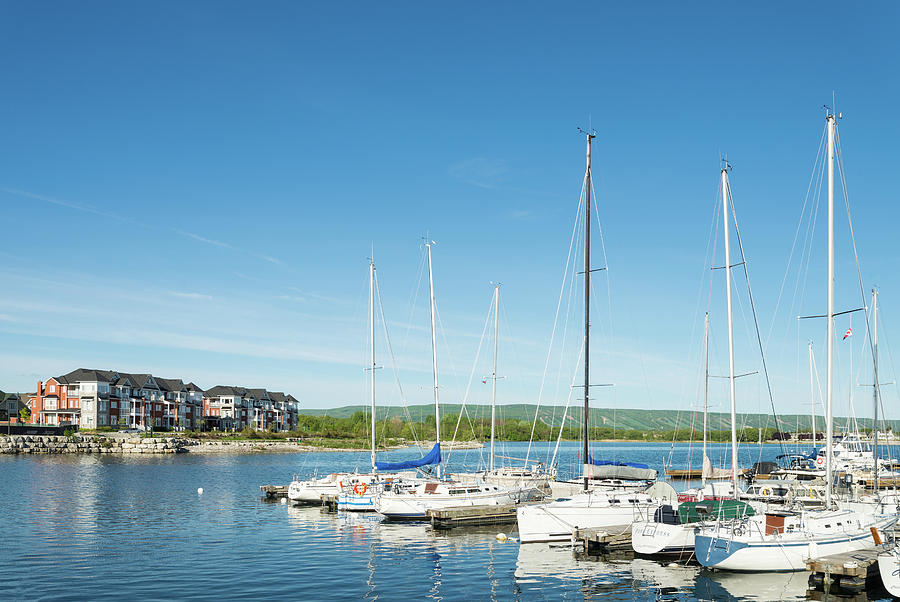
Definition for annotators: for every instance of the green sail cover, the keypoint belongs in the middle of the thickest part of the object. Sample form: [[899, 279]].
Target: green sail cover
[[712, 509]]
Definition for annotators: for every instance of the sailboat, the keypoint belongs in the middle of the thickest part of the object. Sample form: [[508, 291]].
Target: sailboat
[[671, 531], [360, 497], [354, 491], [532, 480], [412, 503], [783, 541], [614, 511]]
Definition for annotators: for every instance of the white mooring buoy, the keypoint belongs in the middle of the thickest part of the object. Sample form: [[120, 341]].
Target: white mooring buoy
[[199, 490], [502, 537], [284, 500]]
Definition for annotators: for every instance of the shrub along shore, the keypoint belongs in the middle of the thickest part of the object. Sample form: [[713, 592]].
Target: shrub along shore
[[328, 433]]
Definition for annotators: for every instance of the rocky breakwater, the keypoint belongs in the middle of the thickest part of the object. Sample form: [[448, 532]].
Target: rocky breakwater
[[77, 444]]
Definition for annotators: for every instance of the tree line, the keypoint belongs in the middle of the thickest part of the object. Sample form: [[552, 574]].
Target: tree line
[[395, 429]]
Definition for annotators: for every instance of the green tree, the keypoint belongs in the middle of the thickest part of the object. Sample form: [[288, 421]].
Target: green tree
[[25, 415]]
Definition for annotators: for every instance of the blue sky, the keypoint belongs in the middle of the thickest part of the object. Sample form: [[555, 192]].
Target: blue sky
[[193, 189]]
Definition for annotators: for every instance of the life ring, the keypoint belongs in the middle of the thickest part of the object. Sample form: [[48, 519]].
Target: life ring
[[357, 491], [820, 461], [765, 491]]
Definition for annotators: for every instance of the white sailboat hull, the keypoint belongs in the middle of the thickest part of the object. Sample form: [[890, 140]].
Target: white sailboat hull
[[659, 539], [558, 520], [352, 502], [408, 506], [889, 567], [310, 492], [750, 549]]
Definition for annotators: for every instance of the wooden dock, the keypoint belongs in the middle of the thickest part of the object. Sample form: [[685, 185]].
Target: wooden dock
[[884, 482], [470, 516], [329, 501], [851, 572], [596, 540], [274, 492]]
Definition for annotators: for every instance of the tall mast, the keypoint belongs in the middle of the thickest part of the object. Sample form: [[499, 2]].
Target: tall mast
[[829, 317], [587, 305], [705, 394], [372, 335], [494, 385], [875, 381], [437, 408], [812, 397], [727, 223]]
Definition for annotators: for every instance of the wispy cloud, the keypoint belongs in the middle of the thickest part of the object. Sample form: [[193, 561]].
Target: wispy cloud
[[69, 205], [203, 239], [296, 298], [184, 295], [481, 172], [317, 296], [107, 214], [7, 318], [267, 258]]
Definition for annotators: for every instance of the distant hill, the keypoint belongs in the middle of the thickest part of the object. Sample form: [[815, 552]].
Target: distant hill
[[643, 420]]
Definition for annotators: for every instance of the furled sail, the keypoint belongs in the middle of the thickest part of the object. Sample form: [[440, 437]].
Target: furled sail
[[711, 472], [605, 469], [432, 457]]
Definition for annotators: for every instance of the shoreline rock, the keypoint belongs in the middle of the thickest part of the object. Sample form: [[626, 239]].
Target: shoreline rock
[[117, 444], [59, 444]]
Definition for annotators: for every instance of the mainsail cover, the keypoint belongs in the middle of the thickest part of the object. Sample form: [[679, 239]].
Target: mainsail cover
[[711, 472], [432, 457], [606, 469]]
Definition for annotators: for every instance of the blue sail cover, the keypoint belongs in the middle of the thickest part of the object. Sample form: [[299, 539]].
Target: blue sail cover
[[613, 463], [432, 457]]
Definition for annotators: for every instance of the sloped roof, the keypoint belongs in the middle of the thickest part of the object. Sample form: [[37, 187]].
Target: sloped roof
[[139, 380], [219, 390], [171, 384], [87, 375]]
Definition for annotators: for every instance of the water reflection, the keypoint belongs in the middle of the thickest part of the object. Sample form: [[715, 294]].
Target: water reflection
[[113, 527], [745, 586]]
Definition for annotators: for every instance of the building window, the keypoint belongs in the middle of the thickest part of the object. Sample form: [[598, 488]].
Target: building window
[[52, 388], [113, 404]]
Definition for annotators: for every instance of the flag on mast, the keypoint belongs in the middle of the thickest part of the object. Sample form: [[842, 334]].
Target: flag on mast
[[849, 333]]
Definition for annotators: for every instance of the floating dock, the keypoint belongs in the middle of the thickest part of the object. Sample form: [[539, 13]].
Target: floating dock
[[851, 572], [470, 516], [884, 482], [329, 501], [274, 492], [597, 540]]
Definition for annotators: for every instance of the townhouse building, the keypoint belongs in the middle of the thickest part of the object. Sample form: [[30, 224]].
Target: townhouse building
[[10, 405], [226, 408], [285, 410], [96, 398]]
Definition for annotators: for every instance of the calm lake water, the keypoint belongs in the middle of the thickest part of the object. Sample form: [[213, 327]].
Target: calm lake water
[[79, 527]]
